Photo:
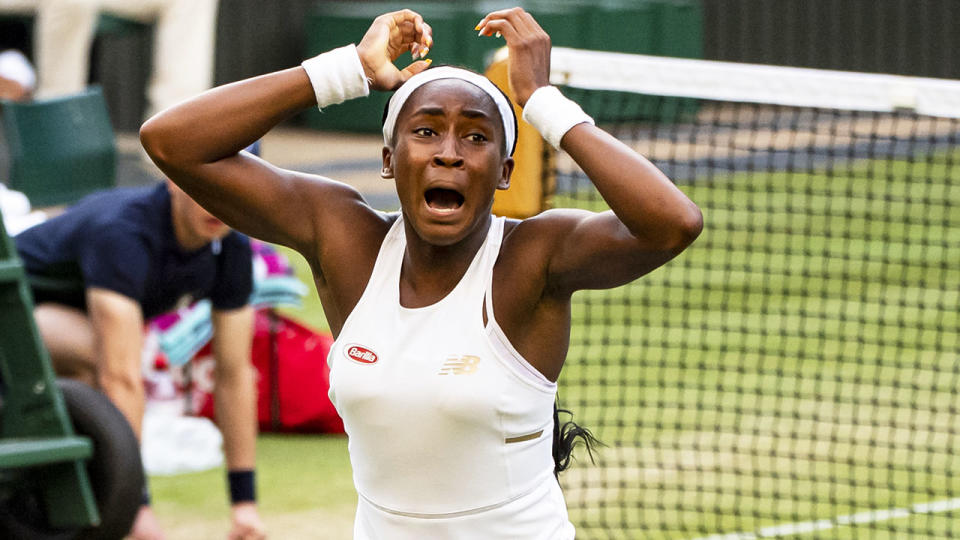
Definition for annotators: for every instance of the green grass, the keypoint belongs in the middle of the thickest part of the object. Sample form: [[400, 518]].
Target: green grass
[[296, 473], [305, 489], [798, 363]]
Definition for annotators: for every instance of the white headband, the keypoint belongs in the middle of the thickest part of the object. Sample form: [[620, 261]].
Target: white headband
[[446, 72]]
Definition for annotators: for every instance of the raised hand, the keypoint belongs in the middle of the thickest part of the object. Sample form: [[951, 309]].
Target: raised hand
[[389, 36], [529, 48]]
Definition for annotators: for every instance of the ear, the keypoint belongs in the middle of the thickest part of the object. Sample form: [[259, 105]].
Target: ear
[[507, 170], [387, 171]]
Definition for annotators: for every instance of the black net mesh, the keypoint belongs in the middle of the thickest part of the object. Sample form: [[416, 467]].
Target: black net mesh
[[795, 372]]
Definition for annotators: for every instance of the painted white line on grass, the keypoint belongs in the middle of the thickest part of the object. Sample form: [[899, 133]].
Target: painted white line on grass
[[871, 516], [937, 506], [795, 528]]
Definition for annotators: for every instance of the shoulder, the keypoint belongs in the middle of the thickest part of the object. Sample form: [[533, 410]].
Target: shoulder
[[123, 211], [354, 227], [530, 247], [116, 219], [338, 213], [544, 230], [529, 243], [123, 200]]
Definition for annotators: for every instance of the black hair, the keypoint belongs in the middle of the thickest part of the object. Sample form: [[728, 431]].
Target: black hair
[[516, 129], [566, 437]]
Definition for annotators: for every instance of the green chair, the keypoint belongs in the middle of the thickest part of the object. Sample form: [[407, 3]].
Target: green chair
[[61, 148], [109, 24], [69, 461]]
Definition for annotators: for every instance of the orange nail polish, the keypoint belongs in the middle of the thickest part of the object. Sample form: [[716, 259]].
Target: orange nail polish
[[429, 61], [477, 27]]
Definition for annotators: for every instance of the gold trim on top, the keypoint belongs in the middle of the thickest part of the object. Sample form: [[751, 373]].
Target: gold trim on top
[[522, 438]]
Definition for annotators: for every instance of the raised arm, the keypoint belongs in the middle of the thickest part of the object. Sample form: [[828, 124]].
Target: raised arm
[[198, 143], [651, 220], [650, 223]]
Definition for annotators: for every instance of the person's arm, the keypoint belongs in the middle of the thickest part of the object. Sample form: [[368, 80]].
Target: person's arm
[[117, 322], [651, 220], [235, 399], [197, 142]]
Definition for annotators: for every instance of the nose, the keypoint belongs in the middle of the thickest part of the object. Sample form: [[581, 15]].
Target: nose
[[447, 154]]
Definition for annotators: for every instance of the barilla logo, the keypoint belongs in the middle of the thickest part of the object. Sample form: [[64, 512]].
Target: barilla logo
[[361, 354]]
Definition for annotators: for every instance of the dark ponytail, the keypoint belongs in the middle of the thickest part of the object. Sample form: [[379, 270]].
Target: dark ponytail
[[565, 439]]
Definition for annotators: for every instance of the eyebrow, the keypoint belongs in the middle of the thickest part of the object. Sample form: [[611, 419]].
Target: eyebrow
[[437, 111], [473, 113]]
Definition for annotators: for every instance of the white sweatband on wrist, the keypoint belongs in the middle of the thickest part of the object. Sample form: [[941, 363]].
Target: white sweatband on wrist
[[552, 114], [336, 76]]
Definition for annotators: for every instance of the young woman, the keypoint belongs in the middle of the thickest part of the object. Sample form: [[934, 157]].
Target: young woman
[[452, 325]]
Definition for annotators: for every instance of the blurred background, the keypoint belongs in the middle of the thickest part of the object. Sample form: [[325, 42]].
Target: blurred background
[[909, 37]]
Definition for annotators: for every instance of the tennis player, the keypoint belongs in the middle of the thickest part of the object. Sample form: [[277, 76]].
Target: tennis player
[[452, 325]]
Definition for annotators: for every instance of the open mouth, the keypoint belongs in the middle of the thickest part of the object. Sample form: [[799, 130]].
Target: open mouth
[[443, 200]]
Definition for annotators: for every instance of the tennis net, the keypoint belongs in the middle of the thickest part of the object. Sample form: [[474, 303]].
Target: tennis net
[[795, 372]]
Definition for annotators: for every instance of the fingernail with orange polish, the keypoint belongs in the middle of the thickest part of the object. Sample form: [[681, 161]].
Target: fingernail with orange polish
[[429, 61]]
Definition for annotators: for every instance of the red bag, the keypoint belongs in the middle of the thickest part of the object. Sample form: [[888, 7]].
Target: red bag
[[292, 377]]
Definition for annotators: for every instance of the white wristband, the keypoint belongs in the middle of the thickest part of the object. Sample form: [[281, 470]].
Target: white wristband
[[336, 76], [552, 114]]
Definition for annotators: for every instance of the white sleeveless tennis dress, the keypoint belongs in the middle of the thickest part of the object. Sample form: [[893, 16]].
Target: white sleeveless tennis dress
[[450, 429]]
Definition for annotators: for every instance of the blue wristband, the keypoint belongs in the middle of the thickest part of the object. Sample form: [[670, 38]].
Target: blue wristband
[[242, 485]]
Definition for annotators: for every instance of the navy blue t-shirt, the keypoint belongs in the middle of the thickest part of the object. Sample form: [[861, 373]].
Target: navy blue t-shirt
[[123, 240]]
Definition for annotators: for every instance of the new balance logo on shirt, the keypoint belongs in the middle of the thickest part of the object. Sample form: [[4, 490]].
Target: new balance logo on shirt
[[460, 365]]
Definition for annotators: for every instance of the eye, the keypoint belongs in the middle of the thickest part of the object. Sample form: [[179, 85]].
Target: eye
[[477, 137], [424, 131]]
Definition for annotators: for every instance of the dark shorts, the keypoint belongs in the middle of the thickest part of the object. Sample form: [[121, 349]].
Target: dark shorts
[[47, 294]]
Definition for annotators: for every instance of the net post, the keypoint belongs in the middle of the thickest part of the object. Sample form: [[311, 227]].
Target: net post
[[530, 189]]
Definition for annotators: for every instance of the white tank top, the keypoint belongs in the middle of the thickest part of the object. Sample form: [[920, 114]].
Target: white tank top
[[444, 417]]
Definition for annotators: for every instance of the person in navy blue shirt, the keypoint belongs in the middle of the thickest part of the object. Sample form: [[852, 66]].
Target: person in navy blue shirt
[[122, 256]]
